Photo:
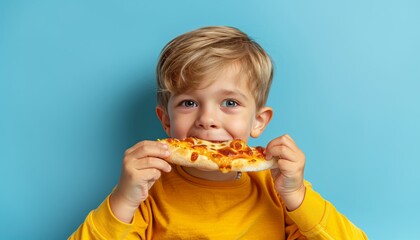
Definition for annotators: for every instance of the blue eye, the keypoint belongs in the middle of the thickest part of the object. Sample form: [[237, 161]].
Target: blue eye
[[188, 103], [229, 103]]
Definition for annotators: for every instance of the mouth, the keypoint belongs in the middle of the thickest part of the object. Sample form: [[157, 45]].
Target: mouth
[[215, 140]]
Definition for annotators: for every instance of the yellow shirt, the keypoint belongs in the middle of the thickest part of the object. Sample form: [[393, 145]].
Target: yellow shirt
[[180, 206]]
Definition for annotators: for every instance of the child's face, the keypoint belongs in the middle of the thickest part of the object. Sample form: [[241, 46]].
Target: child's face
[[222, 108]]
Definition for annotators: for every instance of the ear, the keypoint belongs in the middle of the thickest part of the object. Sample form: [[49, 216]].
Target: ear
[[262, 119], [164, 119]]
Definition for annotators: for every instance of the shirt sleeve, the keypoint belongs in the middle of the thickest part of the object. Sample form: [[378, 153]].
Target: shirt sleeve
[[102, 224], [316, 219]]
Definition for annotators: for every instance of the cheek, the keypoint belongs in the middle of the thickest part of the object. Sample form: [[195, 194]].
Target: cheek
[[177, 132], [240, 128], [179, 127]]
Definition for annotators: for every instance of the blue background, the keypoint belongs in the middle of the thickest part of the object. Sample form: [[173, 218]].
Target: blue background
[[77, 88]]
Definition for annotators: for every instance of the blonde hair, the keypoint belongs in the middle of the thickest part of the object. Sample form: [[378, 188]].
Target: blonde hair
[[188, 58]]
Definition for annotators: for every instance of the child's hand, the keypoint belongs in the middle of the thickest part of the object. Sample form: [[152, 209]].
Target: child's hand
[[288, 178], [142, 166]]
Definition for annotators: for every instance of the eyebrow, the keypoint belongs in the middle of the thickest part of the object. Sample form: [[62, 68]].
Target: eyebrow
[[224, 92], [231, 92]]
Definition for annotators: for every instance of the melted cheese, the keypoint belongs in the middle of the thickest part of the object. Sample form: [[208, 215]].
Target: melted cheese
[[221, 153]]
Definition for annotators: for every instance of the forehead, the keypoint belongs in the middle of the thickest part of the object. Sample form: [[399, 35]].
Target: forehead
[[228, 76]]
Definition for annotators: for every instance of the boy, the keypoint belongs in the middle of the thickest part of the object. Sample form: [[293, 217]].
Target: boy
[[213, 84]]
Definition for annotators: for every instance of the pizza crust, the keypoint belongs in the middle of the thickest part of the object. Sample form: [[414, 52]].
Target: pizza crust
[[245, 165], [178, 156]]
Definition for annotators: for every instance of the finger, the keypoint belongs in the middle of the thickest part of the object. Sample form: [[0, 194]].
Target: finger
[[151, 163], [287, 166], [279, 151], [288, 141], [134, 147], [144, 145], [149, 149], [280, 141], [283, 140], [290, 138], [148, 175]]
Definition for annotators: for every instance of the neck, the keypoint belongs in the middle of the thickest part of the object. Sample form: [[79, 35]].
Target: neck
[[211, 175]]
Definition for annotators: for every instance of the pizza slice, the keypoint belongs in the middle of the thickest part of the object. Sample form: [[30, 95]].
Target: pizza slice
[[226, 156]]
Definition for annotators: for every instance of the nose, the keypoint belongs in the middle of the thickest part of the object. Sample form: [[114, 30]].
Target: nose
[[207, 118]]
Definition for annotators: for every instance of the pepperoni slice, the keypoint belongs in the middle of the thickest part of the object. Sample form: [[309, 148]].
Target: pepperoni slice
[[194, 156], [227, 152]]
